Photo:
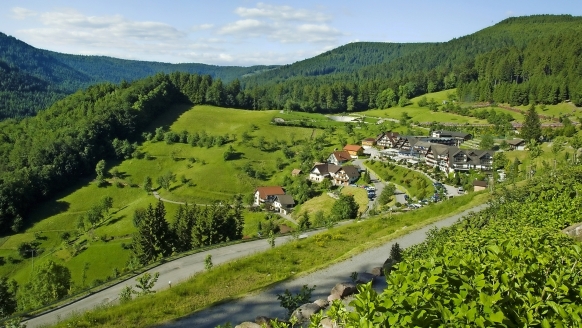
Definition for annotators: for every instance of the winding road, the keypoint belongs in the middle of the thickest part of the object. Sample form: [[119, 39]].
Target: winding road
[[266, 303], [249, 307]]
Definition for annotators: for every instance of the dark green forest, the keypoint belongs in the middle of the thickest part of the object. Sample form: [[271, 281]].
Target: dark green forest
[[32, 79], [521, 60]]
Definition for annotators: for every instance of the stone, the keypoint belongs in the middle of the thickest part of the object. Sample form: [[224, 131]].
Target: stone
[[248, 324], [327, 323], [333, 297], [378, 272], [344, 289], [323, 303], [305, 311], [365, 277]]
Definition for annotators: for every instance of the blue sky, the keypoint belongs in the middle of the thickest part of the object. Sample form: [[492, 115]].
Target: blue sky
[[228, 32]]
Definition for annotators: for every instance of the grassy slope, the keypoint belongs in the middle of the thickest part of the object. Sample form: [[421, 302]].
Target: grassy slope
[[423, 114], [324, 202], [216, 180], [251, 274]]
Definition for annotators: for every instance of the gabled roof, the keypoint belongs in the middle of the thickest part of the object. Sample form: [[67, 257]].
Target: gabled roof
[[477, 183], [353, 148], [516, 142], [264, 192], [341, 156], [325, 168], [370, 139], [296, 171], [351, 171], [389, 135], [285, 199]]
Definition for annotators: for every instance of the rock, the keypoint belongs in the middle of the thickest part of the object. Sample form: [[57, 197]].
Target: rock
[[344, 289], [322, 303], [365, 277], [266, 321], [333, 297], [327, 323], [248, 324], [378, 272], [305, 311]]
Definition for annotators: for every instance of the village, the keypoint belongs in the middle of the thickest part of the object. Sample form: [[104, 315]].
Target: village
[[440, 151]]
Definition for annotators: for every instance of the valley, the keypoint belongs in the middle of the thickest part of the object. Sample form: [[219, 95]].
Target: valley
[[280, 173]]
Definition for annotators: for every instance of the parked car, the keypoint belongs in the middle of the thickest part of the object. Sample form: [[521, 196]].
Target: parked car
[[460, 190]]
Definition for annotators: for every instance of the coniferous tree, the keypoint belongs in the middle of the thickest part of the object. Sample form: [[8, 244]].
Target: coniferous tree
[[153, 238], [532, 128]]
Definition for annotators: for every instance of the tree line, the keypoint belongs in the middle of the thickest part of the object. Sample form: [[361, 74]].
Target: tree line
[[193, 227]]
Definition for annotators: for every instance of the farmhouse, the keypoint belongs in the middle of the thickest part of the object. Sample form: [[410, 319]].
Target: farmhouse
[[284, 203], [387, 139], [267, 194], [516, 144], [339, 175], [339, 157], [354, 150]]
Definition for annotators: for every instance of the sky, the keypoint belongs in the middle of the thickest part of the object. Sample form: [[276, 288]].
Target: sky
[[245, 33]]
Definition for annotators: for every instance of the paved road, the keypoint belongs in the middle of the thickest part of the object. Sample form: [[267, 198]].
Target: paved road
[[266, 303], [175, 271]]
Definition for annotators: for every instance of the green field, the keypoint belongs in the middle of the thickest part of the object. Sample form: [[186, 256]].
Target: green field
[[417, 184], [423, 114], [209, 178], [325, 202]]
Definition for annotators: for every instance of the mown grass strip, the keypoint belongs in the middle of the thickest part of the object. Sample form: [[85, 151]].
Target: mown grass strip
[[253, 273]]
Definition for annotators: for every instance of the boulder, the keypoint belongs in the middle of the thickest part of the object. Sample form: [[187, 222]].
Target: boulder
[[365, 277], [305, 311], [323, 303], [333, 297], [327, 323], [378, 272], [344, 289], [248, 324]]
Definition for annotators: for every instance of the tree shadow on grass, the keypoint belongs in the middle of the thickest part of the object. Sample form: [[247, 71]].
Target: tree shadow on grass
[[115, 220]]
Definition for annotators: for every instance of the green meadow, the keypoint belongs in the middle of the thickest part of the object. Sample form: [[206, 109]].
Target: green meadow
[[202, 177]]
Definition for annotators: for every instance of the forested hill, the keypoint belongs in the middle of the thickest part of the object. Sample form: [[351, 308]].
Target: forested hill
[[32, 79], [345, 59], [522, 60]]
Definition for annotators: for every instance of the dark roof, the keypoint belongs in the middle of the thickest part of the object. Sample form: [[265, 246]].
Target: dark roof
[[452, 133], [325, 168], [515, 142], [351, 171], [264, 192], [285, 199], [478, 183]]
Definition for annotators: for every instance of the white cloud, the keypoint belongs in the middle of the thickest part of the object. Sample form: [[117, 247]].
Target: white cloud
[[282, 24], [247, 27], [22, 13], [201, 27], [281, 13], [262, 35]]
